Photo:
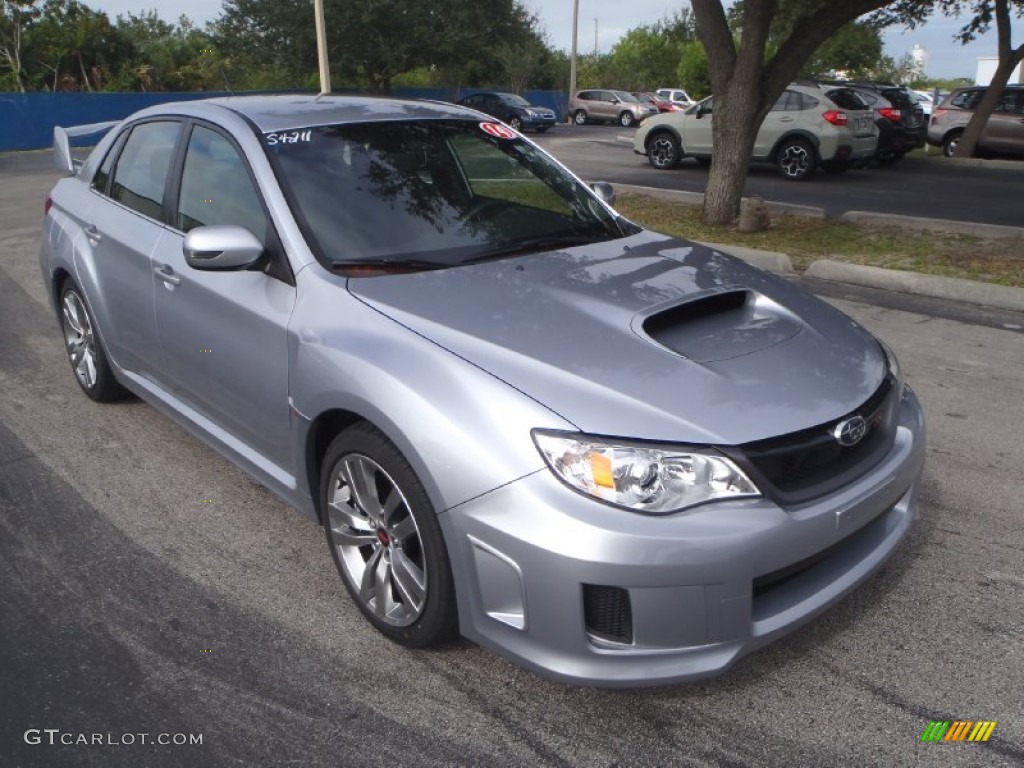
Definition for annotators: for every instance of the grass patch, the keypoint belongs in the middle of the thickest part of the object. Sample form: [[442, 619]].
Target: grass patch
[[807, 239]]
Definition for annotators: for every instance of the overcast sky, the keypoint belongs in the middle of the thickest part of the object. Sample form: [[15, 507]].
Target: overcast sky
[[946, 58]]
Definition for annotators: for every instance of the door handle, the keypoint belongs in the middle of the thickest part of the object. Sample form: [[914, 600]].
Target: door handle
[[166, 273], [786, 119], [93, 234]]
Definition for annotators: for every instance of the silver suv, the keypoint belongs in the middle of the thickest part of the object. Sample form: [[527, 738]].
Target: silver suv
[[1003, 133], [602, 105], [808, 126]]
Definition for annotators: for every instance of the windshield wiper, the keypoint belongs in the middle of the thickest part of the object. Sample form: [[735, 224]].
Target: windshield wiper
[[374, 267], [535, 244]]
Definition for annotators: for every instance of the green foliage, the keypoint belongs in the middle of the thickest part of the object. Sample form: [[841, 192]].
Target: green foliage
[[692, 72], [854, 51], [647, 57]]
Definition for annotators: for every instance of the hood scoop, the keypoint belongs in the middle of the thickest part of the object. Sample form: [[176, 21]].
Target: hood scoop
[[719, 326]]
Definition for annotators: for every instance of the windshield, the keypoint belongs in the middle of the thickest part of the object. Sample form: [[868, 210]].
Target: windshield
[[431, 192], [515, 101]]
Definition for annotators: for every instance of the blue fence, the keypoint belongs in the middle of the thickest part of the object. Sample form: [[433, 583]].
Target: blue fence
[[27, 119]]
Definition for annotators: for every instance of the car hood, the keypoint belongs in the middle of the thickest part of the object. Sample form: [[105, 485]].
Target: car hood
[[645, 337]]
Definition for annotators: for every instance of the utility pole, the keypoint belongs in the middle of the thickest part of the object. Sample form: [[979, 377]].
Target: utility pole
[[321, 48], [595, 37], [572, 57]]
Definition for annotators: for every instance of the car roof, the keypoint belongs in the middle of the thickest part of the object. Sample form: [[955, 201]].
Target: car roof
[[289, 111]]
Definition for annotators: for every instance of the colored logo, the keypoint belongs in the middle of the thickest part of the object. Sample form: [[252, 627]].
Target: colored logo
[[851, 431], [498, 131], [958, 730]]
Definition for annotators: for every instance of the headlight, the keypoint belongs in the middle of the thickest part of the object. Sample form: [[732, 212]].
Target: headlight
[[893, 364], [639, 477]]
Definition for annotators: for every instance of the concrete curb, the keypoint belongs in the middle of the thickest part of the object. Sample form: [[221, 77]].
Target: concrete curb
[[979, 162], [767, 260], [932, 225], [697, 198], [954, 288]]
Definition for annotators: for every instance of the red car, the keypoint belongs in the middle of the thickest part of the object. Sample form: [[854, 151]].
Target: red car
[[663, 105]]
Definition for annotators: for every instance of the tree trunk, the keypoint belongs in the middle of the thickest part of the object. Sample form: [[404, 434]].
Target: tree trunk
[[734, 130]]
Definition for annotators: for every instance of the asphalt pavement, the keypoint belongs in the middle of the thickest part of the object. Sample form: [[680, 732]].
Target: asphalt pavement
[[148, 586], [921, 187]]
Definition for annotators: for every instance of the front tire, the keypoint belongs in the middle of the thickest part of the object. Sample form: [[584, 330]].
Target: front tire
[[580, 117], [385, 539], [664, 152], [515, 123], [85, 350], [626, 119], [796, 160]]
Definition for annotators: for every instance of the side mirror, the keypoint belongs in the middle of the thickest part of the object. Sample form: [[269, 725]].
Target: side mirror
[[221, 246], [605, 191], [699, 112]]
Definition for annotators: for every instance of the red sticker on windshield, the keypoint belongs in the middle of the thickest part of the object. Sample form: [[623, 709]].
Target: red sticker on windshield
[[498, 131]]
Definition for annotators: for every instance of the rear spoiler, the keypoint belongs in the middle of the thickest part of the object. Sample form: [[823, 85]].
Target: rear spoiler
[[62, 157]]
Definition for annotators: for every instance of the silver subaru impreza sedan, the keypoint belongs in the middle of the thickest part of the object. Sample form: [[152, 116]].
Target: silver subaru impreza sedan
[[615, 457]]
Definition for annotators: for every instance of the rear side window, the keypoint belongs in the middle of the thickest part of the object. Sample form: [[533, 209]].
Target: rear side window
[[789, 101], [846, 98], [141, 170], [966, 100], [899, 98], [102, 177]]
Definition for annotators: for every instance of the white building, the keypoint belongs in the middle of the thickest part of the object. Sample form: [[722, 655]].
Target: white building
[[987, 66], [919, 54]]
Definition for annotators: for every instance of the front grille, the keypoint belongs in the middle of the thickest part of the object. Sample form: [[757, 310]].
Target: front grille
[[803, 465], [607, 613]]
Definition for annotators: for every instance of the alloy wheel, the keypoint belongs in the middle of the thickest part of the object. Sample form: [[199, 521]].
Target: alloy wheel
[[79, 339], [377, 540], [663, 152], [795, 161]]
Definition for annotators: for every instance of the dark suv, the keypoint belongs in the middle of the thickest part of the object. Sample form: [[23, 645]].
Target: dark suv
[[1003, 133], [902, 125]]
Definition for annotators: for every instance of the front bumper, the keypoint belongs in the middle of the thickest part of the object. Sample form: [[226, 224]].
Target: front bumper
[[538, 121], [704, 587]]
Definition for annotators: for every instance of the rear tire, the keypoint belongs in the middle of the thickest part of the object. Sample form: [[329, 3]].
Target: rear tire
[[385, 539], [888, 157], [835, 166], [796, 159], [950, 143], [85, 348]]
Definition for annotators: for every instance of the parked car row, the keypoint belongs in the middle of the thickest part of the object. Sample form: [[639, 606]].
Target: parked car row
[[834, 126]]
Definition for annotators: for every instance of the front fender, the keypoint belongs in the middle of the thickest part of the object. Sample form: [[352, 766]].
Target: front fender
[[463, 431]]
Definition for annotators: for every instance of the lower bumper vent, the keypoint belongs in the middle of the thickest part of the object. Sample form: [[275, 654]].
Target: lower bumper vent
[[607, 613]]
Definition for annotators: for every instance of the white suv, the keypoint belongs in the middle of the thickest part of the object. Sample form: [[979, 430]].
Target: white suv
[[808, 126]]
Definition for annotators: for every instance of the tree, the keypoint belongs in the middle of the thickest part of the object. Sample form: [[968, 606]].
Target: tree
[[15, 16], [747, 78], [647, 57], [692, 72]]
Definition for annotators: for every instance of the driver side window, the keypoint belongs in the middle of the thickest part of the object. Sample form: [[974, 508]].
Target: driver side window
[[216, 187]]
